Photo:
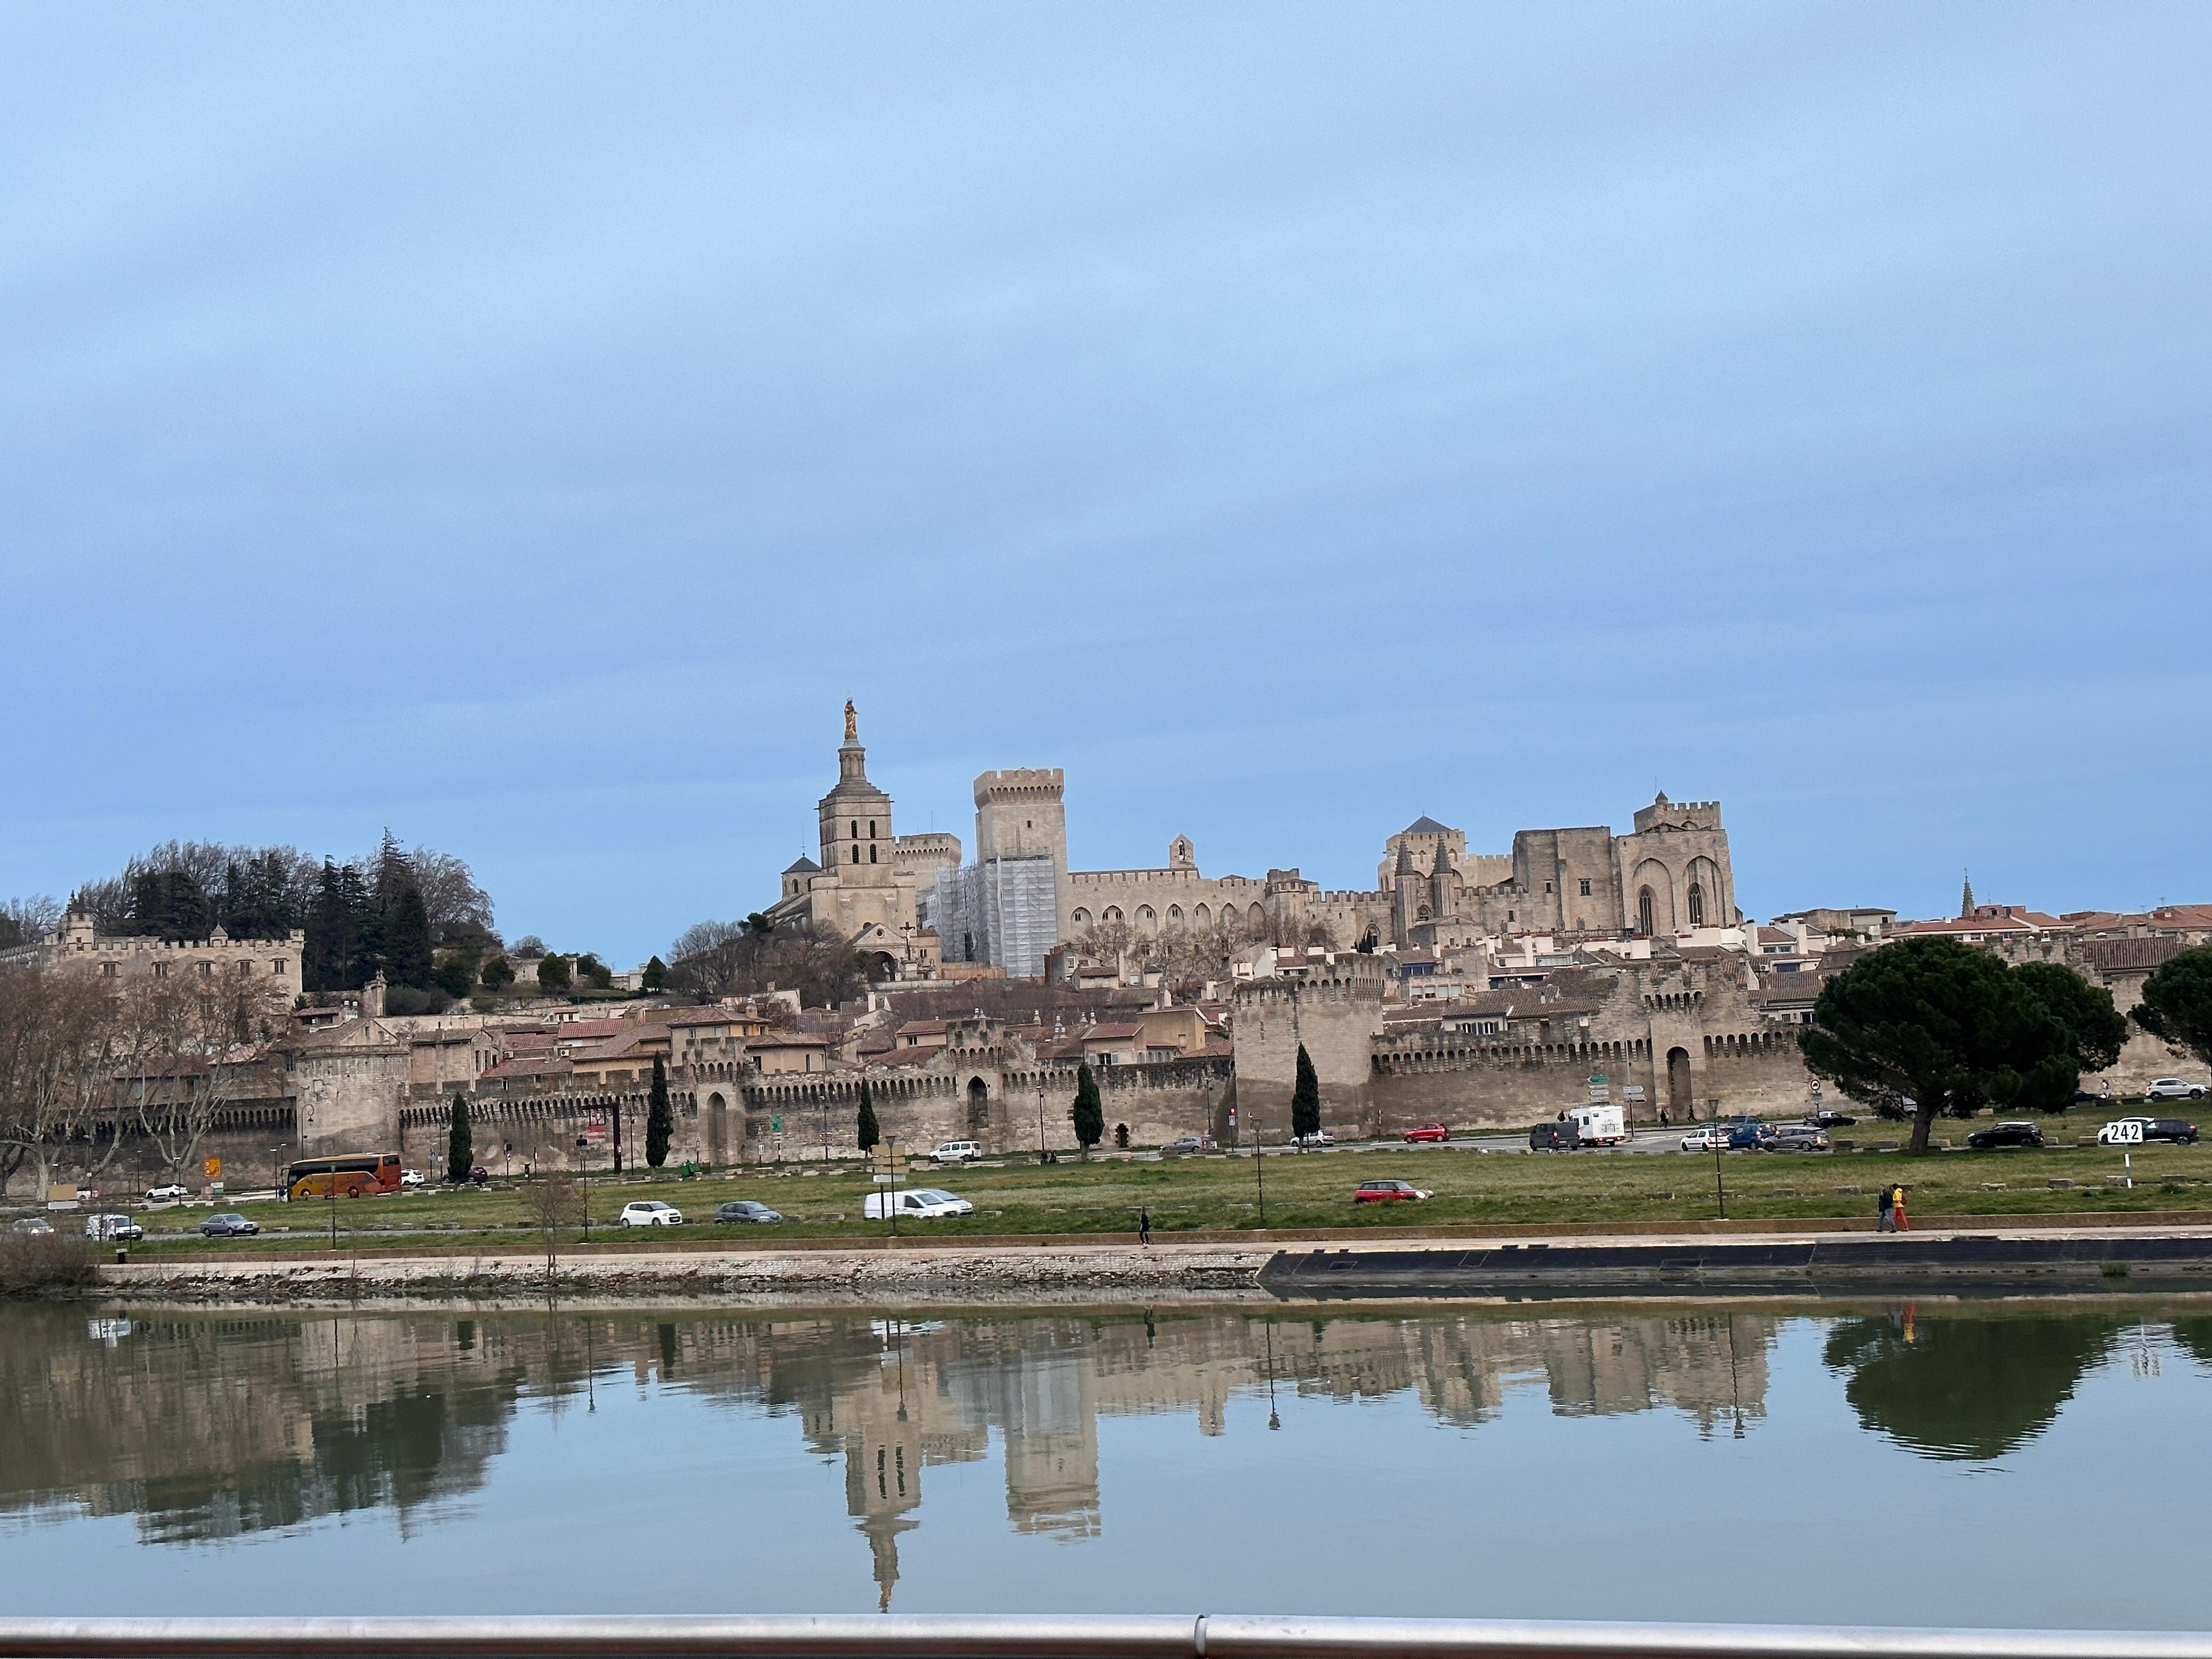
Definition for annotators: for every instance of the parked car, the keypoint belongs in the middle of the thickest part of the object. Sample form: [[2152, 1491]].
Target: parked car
[[1387, 1192], [2112, 1135], [1181, 1145], [32, 1224], [227, 1224], [743, 1209], [1796, 1138], [650, 1212], [1427, 1133], [1824, 1119], [479, 1174], [1744, 1137], [1318, 1138], [2173, 1088], [2005, 1134], [168, 1195], [956, 1152], [1713, 1137], [413, 1178], [113, 1227], [914, 1203], [2180, 1130]]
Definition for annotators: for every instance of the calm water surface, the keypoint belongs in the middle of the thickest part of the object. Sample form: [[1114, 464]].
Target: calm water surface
[[2022, 1465]]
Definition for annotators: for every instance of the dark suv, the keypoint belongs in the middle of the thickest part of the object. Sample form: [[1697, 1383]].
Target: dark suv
[[2005, 1134], [2179, 1129]]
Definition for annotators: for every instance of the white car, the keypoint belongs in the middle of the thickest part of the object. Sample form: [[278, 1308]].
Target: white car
[[1318, 1138], [2173, 1088], [113, 1226], [651, 1212], [956, 1152], [1711, 1138], [168, 1195], [413, 1178], [915, 1203]]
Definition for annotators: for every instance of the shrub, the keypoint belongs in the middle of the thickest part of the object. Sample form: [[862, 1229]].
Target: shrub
[[45, 1264]]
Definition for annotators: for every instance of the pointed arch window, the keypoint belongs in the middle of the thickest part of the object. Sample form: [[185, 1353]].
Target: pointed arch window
[[1643, 912], [1697, 905]]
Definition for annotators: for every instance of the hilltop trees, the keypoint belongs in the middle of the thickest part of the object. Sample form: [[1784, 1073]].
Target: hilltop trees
[[2177, 1003], [737, 959]]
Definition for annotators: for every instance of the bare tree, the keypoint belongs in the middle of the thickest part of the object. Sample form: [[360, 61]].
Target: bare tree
[[552, 1199], [28, 919], [735, 958], [54, 1042], [178, 1045]]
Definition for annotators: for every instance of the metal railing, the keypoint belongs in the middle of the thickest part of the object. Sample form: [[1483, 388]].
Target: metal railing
[[1162, 1635]]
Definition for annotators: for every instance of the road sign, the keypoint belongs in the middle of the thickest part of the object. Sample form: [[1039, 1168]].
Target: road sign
[[212, 1168], [595, 1130], [776, 1124], [2128, 1131]]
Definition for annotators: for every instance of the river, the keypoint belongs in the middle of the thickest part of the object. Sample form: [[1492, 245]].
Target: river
[[2013, 1464]]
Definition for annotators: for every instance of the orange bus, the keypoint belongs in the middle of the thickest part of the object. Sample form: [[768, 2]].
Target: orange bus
[[372, 1174]]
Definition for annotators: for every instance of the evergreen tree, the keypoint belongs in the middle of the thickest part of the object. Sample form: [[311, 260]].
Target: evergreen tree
[[367, 914], [1305, 1098], [655, 975], [460, 1148], [407, 940], [553, 977], [2177, 1002], [330, 940], [1089, 1115], [497, 974], [868, 1134], [660, 1117]]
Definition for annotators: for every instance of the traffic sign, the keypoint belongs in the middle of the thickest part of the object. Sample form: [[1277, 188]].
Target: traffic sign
[[595, 1130], [2128, 1131], [212, 1168]]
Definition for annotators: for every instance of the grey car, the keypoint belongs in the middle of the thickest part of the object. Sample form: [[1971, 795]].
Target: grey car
[[227, 1224], [1797, 1138], [744, 1209], [32, 1224]]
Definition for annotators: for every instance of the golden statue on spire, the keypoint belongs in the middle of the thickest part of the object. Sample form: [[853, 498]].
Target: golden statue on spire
[[852, 722]]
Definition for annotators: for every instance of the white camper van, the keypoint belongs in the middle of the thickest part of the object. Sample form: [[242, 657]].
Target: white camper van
[[1598, 1126]]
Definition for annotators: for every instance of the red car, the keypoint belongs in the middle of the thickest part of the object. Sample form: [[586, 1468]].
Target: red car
[[1387, 1192], [1427, 1132]]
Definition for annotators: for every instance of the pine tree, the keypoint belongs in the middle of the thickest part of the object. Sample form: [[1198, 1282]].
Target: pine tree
[[868, 1134], [407, 940], [1305, 1098], [367, 918], [660, 1117], [460, 1148], [655, 975], [1089, 1115], [330, 941]]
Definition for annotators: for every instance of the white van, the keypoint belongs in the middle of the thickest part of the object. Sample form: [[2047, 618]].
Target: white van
[[1598, 1126], [956, 1152], [914, 1203]]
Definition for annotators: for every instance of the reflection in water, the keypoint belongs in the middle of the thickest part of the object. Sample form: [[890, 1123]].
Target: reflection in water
[[206, 1428], [211, 1427], [1971, 1387]]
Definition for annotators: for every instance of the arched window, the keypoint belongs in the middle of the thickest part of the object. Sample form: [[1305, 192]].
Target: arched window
[[1644, 909], [1113, 913], [871, 853], [1174, 916], [855, 853], [1081, 917], [1697, 905], [872, 829], [856, 829]]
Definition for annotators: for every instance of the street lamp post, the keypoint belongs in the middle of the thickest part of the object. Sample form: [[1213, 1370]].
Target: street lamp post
[[1040, 1120], [276, 1172], [1259, 1167]]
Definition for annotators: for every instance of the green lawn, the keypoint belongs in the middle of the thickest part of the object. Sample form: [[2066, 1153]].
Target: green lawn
[[1302, 1192]]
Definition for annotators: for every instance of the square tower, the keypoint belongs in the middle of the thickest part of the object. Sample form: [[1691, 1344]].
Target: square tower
[[1021, 813]]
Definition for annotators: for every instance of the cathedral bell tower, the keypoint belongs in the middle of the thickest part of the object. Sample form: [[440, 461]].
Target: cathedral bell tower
[[855, 817]]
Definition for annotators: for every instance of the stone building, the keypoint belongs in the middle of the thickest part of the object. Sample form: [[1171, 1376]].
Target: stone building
[[76, 945]]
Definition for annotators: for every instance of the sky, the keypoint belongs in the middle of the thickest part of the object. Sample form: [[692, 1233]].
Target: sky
[[523, 426]]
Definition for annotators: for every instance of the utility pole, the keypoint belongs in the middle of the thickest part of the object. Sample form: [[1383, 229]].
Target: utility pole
[[1260, 1168]]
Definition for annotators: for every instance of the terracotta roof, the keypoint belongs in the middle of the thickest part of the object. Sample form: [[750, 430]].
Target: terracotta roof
[[2119, 956], [524, 1065], [1110, 1033], [788, 1040], [588, 1030], [904, 1057]]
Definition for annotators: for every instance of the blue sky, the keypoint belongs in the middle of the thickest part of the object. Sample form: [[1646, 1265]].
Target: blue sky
[[526, 426]]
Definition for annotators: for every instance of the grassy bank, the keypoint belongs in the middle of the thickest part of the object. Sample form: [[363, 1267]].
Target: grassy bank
[[1303, 1191]]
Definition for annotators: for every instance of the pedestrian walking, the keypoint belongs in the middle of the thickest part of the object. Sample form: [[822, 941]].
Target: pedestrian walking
[[1884, 1222], [1898, 1207], [1143, 1225]]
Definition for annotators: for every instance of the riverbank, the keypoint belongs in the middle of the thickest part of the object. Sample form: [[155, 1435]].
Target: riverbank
[[1987, 1253]]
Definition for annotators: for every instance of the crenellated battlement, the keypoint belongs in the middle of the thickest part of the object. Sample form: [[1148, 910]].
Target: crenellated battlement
[[1018, 782]]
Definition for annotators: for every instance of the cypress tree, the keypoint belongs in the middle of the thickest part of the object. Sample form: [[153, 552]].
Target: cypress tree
[[869, 1133], [460, 1147], [1089, 1115], [407, 940], [659, 1118], [655, 975], [1305, 1098], [330, 941]]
